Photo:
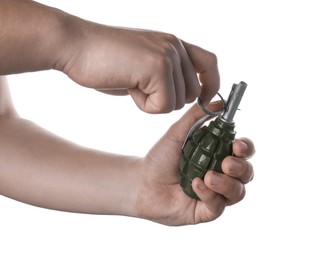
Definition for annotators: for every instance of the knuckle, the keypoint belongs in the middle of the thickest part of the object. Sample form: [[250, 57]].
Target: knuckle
[[250, 173], [243, 170], [237, 196], [218, 211], [241, 193], [170, 46], [171, 38], [212, 59], [247, 172], [219, 205], [162, 62]]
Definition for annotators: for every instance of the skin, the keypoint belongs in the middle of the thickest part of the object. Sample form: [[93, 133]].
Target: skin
[[160, 72], [39, 168]]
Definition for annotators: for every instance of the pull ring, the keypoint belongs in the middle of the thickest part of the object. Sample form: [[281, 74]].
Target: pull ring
[[211, 113]]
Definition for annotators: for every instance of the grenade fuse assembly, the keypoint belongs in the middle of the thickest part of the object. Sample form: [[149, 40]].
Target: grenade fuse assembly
[[209, 145]]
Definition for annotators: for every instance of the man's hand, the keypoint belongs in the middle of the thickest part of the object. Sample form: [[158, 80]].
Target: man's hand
[[161, 198], [158, 70]]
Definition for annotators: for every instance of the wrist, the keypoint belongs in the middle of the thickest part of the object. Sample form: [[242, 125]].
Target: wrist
[[119, 185], [129, 187], [69, 41]]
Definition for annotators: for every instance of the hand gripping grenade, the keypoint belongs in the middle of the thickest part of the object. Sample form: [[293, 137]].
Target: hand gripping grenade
[[209, 145]]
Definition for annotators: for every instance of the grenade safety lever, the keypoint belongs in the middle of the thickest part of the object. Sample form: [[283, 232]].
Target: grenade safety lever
[[209, 145]]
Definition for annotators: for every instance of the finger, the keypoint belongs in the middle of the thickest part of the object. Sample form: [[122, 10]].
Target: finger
[[166, 89], [243, 148], [192, 85], [215, 203], [230, 188], [191, 82], [158, 96], [180, 129], [205, 64], [238, 168], [139, 98], [179, 82]]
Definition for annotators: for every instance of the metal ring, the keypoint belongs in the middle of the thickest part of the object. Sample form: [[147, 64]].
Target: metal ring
[[211, 113]]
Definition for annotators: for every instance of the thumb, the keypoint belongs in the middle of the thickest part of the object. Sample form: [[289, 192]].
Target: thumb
[[179, 130], [154, 103]]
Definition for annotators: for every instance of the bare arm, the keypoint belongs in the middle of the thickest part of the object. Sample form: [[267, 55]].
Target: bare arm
[[6, 105], [160, 71], [41, 169], [31, 35]]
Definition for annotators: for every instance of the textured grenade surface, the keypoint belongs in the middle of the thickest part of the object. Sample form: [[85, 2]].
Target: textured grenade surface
[[205, 151], [206, 148]]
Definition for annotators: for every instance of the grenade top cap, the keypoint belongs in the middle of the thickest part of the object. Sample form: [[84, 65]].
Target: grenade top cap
[[233, 101]]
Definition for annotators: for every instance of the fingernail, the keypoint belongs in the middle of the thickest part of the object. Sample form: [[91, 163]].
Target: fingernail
[[243, 146], [216, 178]]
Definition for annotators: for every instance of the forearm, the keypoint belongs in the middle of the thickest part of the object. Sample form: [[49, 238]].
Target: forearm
[[32, 36], [6, 105], [41, 169]]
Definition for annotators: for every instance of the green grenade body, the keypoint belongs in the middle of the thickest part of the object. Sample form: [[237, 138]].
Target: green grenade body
[[205, 151]]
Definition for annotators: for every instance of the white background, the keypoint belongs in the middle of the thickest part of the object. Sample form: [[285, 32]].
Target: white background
[[268, 44]]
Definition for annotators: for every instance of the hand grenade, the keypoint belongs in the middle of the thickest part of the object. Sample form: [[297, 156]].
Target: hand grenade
[[209, 145]]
